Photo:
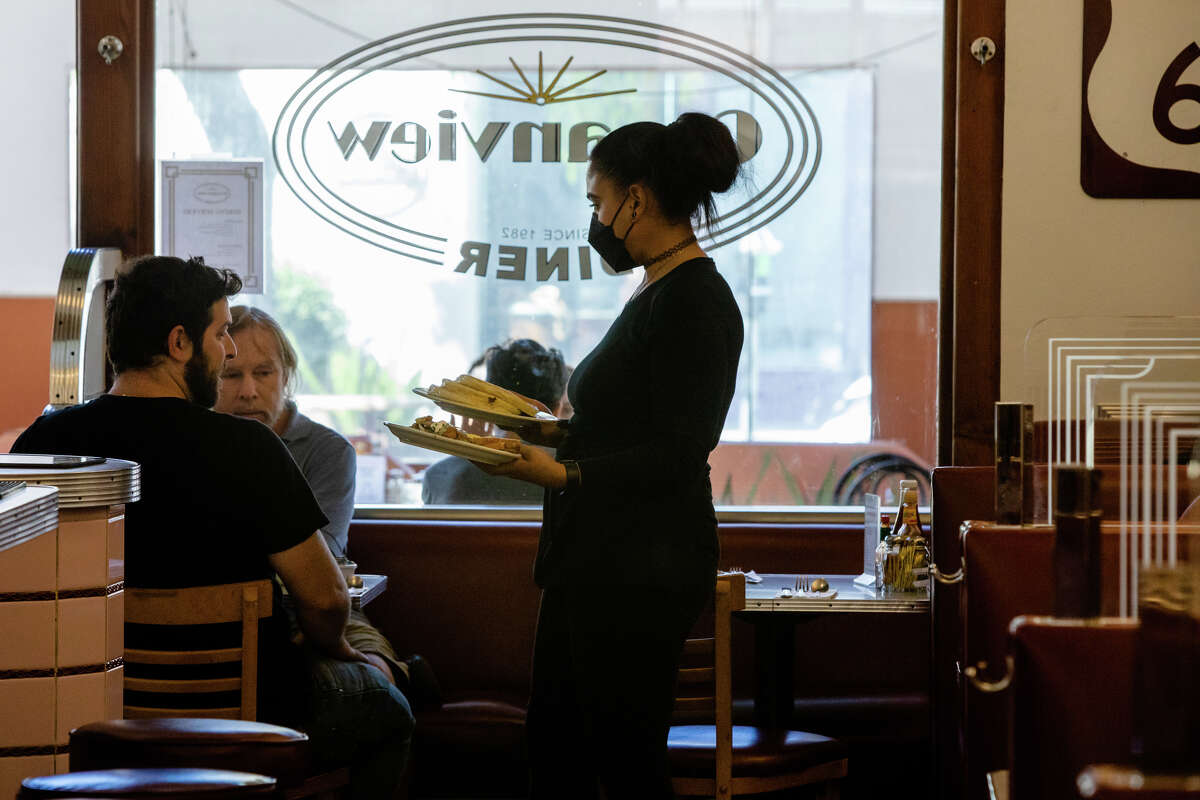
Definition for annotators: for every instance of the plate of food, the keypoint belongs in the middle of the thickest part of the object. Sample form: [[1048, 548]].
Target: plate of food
[[445, 438], [469, 396]]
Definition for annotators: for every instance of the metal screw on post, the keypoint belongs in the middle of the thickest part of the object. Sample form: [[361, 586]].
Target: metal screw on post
[[983, 49], [110, 49]]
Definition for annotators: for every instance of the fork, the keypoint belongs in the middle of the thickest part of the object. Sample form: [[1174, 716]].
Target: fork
[[803, 583]]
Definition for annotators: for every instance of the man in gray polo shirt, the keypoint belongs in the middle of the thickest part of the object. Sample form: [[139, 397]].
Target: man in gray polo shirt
[[258, 384]]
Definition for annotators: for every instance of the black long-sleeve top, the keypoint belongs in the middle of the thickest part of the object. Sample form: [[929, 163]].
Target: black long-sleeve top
[[650, 403]]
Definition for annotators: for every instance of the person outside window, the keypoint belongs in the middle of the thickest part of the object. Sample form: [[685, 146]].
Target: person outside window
[[520, 365]]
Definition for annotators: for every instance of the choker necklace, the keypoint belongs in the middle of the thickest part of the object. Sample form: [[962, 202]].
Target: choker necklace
[[670, 251]]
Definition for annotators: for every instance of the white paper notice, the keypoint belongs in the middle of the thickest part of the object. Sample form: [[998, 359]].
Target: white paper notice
[[871, 519], [214, 209], [370, 478]]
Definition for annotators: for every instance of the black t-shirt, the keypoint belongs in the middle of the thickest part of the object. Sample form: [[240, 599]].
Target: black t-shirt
[[650, 403], [218, 495]]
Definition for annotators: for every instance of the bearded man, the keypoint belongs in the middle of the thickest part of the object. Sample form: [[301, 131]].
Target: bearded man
[[223, 502]]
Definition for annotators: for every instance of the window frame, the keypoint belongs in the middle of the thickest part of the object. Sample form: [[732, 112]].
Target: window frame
[[116, 170]]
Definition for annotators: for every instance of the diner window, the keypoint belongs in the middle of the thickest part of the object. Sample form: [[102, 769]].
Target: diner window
[[424, 199]]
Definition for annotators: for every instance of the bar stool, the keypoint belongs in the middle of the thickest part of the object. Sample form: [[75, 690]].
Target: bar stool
[[241, 745], [146, 784]]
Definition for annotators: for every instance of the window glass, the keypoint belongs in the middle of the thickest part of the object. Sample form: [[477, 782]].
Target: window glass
[[424, 201]]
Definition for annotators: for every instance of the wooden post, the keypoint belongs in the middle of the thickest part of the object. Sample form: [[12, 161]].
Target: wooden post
[[116, 126]]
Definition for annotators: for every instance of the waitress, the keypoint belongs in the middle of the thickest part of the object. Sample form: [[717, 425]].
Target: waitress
[[628, 551]]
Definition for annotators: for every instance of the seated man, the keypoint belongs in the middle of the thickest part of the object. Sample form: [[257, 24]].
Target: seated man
[[258, 383], [222, 501], [523, 366]]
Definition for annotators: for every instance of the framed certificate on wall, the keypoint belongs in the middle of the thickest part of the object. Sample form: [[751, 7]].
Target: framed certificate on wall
[[214, 209]]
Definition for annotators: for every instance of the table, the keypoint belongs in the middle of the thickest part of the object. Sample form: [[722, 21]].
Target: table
[[774, 619], [373, 586]]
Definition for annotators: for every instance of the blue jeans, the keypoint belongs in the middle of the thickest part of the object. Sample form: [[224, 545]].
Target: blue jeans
[[358, 719]]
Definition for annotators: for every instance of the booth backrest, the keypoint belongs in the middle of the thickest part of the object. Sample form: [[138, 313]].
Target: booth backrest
[[959, 494], [1009, 573], [461, 593], [1072, 700]]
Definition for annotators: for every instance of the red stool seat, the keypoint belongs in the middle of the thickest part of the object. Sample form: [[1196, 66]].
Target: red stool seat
[[176, 784], [230, 744]]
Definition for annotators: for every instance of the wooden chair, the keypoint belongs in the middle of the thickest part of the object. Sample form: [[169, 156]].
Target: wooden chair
[[722, 759], [164, 737], [246, 603]]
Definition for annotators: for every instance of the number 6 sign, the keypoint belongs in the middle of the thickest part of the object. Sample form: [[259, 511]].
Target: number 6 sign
[[1140, 132]]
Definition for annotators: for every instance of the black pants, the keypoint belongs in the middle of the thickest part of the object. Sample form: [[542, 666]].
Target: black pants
[[604, 668]]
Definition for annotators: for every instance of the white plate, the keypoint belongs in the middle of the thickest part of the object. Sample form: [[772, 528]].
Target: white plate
[[509, 420], [454, 447]]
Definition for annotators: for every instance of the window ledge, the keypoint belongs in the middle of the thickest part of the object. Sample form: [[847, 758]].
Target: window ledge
[[829, 515]]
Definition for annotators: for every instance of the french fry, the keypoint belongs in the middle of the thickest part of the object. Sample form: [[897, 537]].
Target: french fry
[[458, 393], [522, 406]]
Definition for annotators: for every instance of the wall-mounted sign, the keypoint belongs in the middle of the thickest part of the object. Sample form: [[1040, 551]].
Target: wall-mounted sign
[[214, 209], [440, 143], [1141, 98]]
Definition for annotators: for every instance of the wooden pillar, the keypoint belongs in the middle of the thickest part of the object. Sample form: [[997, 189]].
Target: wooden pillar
[[969, 372], [116, 126]]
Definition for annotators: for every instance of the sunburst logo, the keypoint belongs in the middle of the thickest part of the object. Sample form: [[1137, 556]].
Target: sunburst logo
[[543, 94]]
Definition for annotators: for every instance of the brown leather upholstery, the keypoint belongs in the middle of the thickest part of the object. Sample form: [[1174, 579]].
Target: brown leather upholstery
[[796, 548], [472, 579], [207, 784], [191, 742], [756, 751], [1009, 572], [462, 594], [959, 494], [1072, 696], [420, 558], [1120, 782]]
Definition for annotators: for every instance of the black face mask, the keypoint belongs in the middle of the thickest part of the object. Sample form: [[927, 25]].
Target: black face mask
[[612, 249]]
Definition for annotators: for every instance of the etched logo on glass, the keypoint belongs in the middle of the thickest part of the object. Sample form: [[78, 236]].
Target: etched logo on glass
[[440, 144]]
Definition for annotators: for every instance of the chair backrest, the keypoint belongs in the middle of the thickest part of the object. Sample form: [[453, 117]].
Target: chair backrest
[[705, 677], [244, 603]]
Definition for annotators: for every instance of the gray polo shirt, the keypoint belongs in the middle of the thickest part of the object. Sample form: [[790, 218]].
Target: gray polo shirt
[[328, 463]]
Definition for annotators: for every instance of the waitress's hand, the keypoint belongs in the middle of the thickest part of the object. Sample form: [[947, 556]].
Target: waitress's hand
[[547, 433], [534, 466]]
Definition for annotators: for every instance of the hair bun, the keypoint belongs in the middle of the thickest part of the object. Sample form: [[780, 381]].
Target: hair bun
[[684, 163], [704, 145]]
